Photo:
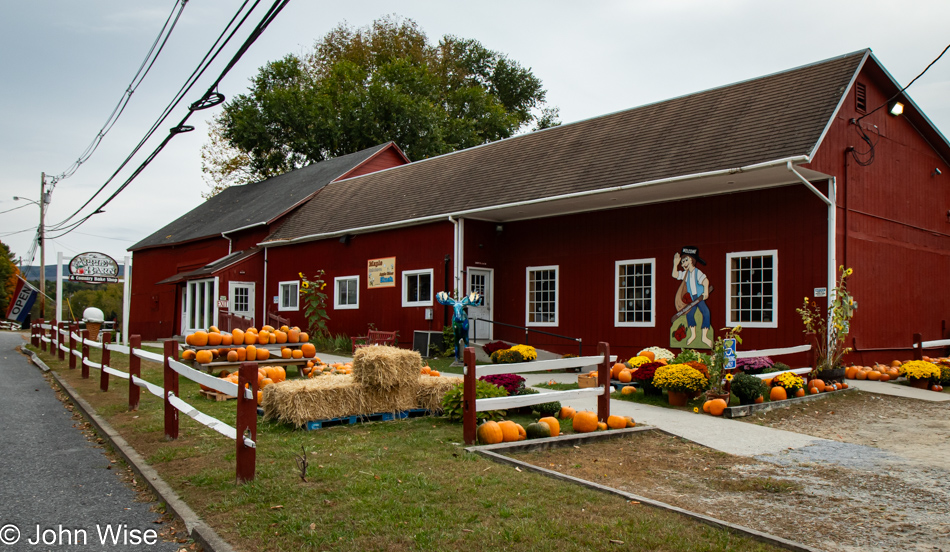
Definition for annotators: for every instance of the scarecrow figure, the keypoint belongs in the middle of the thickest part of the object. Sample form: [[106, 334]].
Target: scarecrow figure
[[459, 317], [695, 287]]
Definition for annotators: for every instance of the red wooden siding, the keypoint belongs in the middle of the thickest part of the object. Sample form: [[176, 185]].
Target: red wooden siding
[[586, 246], [385, 159], [415, 248], [893, 227]]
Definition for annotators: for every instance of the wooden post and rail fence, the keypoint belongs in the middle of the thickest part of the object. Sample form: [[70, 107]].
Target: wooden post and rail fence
[[64, 338]]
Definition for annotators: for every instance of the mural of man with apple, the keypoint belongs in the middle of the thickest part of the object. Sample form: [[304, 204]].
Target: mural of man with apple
[[690, 300]]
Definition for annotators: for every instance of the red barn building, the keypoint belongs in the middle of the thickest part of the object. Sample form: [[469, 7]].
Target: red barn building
[[765, 186], [184, 269]]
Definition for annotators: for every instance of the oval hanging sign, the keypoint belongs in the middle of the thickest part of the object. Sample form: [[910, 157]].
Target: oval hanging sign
[[93, 268]]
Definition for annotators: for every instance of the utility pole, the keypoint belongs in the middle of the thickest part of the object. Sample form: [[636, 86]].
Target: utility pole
[[42, 247]]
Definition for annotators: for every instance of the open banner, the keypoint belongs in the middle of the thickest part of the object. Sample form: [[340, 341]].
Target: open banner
[[21, 301]]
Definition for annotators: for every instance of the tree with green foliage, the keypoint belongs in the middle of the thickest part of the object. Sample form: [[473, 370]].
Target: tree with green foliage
[[8, 276], [367, 86]]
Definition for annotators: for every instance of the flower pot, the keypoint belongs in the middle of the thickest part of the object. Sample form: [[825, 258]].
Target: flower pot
[[919, 383], [832, 374], [711, 395], [677, 398], [650, 389]]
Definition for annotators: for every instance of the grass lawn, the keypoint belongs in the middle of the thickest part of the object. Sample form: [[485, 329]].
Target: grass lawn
[[401, 485]]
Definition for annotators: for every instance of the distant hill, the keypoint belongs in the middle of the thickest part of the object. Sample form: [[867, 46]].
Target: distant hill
[[32, 273]]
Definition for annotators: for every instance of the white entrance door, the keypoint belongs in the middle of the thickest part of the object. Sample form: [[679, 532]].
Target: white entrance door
[[241, 299], [480, 281], [198, 305]]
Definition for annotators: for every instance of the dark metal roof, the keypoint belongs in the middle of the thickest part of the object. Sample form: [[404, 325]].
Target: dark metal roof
[[261, 202], [213, 267], [770, 118]]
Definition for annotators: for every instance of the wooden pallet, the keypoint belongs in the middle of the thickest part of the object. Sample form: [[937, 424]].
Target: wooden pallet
[[378, 417], [215, 395]]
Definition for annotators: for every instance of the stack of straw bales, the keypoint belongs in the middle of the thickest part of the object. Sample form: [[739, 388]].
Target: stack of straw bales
[[384, 379]]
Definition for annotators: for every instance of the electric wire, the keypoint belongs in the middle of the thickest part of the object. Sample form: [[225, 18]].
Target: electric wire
[[117, 111], [15, 208], [901, 91], [210, 97], [176, 99]]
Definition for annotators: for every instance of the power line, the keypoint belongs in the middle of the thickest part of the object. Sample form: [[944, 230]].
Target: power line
[[140, 75], [210, 98], [901, 91], [176, 99], [15, 208]]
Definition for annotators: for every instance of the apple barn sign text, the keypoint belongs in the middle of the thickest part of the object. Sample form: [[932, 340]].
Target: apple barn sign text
[[93, 268]]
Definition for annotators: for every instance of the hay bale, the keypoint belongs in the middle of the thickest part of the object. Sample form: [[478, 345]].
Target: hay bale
[[386, 368], [397, 399], [320, 398], [430, 391]]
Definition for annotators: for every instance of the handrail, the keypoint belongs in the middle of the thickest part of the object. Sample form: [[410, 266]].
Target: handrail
[[580, 342]]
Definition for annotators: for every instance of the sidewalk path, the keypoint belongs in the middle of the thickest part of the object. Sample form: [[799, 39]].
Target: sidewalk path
[[52, 476], [899, 390]]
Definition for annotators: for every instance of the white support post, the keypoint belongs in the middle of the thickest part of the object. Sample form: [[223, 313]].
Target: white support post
[[59, 287], [126, 300], [832, 251]]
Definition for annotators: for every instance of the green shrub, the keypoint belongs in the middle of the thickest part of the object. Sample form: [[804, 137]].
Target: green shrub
[[547, 409], [452, 401], [506, 356], [747, 387]]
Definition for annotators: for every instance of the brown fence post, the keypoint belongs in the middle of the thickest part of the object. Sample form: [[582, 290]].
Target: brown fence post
[[603, 376], [42, 335], [106, 360], [72, 346], [171, 385], [918, 347], [246, 422], [85, 354], [135, 371], [468, 397]]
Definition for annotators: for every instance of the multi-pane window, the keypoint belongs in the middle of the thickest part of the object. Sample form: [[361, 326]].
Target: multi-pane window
[[289, 293], [417, 288], [752, 288], [242, 300], [633, 292], [346, 294], [542, 296]]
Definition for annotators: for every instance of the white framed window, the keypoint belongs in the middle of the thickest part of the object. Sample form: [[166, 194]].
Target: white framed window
[[752, 289], [541, 301], [417, 288], [634, 282], [346, 292], [289, 296]]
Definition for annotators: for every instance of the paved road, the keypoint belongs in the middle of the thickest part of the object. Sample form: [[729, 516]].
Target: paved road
[[51, 476]]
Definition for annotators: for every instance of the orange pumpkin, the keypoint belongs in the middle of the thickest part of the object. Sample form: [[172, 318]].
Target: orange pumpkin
[[850, 371], [706, 406], [566, 412], [304, 337], [625, 376], [553, 424], [214, 339], [232, 356], [800, 392], [602, 426], [615, 370], [630, 422], [265, 382], [509, 431], [628, 390], [251, 353], [874, 375], [263, 354], [489, 433], [281, 337], [293, 335], [308, 350], [718, 406], [648, 354], [861, 375], [237, 337], [435, 373], [242, 354], [778, 394], [522, 434], [188, 354], [286, 353], [616, 422], [199, 338], [584, 422], [760, 399], [817, 384], [263, 338], [267, 328], [204, 357]]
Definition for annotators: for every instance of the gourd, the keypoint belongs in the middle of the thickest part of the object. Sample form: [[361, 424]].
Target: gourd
[[309, 351], [538, 430], [199, 338], [204, 357], [718, 406], [509, 431], [616, 422], [628, 390], [584, 422], [489, 433], [778, 394], [566, 413], [553, 424], [237, 337]]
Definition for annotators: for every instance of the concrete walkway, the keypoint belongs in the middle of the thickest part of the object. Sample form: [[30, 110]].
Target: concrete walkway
[[899, 390]]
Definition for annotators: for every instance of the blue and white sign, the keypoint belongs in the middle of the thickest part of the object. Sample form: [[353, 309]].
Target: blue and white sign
[[730, 351]]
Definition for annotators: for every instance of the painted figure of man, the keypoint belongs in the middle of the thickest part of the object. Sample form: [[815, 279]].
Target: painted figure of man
[[459, 317], [696, 286]]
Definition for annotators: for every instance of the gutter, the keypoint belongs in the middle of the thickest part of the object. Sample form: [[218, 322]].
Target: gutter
[[459, 214], [230, 243]]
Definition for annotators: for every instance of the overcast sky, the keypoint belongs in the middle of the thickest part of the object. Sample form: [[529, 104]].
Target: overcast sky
[[64, 65]]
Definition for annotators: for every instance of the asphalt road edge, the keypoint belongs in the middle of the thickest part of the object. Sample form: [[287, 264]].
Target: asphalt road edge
[[199, 531]]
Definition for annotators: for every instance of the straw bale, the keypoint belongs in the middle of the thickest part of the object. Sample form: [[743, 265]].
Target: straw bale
[[430, 391], [320, 398], [386, 368], [397, 399]]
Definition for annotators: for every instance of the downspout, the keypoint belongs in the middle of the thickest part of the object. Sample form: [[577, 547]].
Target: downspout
[[230, 243], [455, 252], [830, 201], [264, 292]]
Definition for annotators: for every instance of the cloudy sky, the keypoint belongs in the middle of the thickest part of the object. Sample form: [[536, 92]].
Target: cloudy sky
[[64, 66]]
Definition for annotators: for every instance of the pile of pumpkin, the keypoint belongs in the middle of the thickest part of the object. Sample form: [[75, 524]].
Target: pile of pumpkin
[[427, 371], [317, 367], [266, 375], [490, 432], [246, 345], [878, 372]]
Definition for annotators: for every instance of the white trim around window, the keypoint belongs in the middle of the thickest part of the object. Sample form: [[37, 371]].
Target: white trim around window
[[752, 289], [541, 295], [417, 288], [634, 293], [288, 295], [346, 292]]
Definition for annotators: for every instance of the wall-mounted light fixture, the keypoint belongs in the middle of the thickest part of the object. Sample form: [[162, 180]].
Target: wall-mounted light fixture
[[896, 108], [345, 239], [499, 227], [936, 172]]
